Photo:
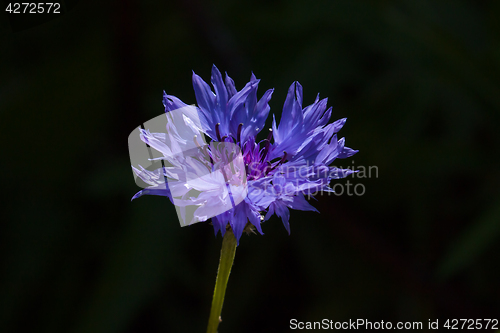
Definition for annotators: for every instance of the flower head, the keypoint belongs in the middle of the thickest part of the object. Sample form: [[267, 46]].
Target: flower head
[[233, 179]]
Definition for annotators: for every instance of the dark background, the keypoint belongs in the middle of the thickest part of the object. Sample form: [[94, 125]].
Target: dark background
[[419, 83]]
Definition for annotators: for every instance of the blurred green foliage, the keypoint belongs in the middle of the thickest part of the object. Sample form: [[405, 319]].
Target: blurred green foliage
[[419, 82]]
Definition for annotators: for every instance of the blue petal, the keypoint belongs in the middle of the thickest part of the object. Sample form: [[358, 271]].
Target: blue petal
[[153, 191], [251, 100], [254, 217], [221, 95], [337, 173], [347, 152], [236, 106], [283, 212], [218, 225], [270, 212], [313, 115], [258, 116], [239, 221], [292, 109], [300, 203], [339, 124], [222, 220], [172, 103], [231, 88], [205, 99]]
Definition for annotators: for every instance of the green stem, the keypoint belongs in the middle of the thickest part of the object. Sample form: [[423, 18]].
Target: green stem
[[226, 262]]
